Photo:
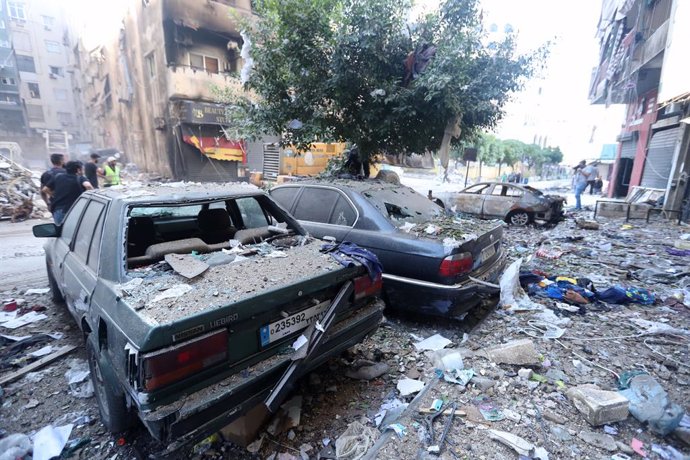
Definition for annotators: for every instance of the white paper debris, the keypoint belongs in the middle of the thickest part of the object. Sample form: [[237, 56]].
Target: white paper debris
[[37, 291], [15, 338], [23, 320], [49, 441], [431, 230], [434, 343], [300, 342], [408, 386], [77, 372], [277, 255], [173, 292], [407, 226], [48, 349]]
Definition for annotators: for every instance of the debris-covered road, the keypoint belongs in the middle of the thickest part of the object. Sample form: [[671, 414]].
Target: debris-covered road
[[525, 399]]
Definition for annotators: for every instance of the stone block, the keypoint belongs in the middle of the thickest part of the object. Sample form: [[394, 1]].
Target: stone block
[[518, 352], [598, 406]]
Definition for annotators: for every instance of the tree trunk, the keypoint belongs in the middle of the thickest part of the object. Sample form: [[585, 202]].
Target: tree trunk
[[452, 131], [499, 169]]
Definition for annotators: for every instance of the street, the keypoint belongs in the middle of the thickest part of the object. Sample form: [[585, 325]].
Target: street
[[525, 394]]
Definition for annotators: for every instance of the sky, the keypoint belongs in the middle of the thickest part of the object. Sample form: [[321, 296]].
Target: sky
[[560, 112]]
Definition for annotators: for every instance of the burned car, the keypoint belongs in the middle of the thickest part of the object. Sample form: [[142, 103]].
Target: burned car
[[431, 260], [191, 298], [518, 205]]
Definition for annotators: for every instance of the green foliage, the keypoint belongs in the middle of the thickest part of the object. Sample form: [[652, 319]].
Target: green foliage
[[333, 70]]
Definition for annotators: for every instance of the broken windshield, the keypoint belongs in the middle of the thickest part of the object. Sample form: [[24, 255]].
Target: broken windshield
[[402, 204]]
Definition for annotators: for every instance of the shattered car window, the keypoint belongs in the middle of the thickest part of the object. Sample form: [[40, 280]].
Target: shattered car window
[[403, 204], [166, 211], [534, 190]]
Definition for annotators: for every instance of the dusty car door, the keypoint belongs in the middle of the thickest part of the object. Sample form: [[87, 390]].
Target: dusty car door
[[500, 200], [471, 200], [63, 244], [80, 268]]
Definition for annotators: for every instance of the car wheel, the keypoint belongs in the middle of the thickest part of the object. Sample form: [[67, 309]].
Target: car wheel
[[111, 403], [519, 218], [54, 289]]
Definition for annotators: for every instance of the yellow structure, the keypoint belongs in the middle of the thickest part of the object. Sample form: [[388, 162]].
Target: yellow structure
[[311, 162]]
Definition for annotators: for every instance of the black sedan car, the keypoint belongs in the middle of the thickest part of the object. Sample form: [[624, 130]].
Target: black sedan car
[[434, 262]]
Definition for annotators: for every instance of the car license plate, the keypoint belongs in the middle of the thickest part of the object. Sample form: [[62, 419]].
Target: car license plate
[[487, 253], [293, 323]]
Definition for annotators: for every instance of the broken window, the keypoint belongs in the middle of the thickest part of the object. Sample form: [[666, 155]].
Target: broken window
[[34, 91], [252, 214], [16, 10], [399, 203], [201, 62], [8, 81], [56, 71], [478, 189]]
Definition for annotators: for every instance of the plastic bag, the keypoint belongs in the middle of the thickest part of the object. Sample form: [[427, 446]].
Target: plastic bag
[[513, 297], [355, 441]]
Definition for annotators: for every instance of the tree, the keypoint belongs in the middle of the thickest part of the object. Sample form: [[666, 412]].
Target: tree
[[335, 70]]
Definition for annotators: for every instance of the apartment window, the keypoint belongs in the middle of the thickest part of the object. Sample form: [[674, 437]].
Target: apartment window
[[16, 10], [22, 41], [25, 63], [2, 24], [34, 91], [151, 65], [65, 118], [5, 44], [53, 47], [106, 93], [207, 63], [56, 71], [48, 21], [8, 81], [61, 94], [35, 112]]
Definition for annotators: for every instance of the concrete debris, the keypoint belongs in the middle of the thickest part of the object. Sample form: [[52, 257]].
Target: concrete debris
[[587, 224], [598, 406], [18, 191], [599, 440], [518, 444], [186, 265], [14, 446], [409, 386], [517, 352]]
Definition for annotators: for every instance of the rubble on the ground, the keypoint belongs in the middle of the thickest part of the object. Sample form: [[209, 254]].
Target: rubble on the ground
[[18, 191]]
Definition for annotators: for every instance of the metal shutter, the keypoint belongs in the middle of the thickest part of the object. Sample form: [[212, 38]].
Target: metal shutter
[[628, 148], [203, 169], [657, 166], [271, 161]]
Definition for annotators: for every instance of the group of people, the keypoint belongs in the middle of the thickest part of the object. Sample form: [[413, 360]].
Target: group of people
[[586, 175], [62, 184]]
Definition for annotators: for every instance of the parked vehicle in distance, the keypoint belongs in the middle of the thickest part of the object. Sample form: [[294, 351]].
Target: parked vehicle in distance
[[194, 342], [518, 205], [428, 256]]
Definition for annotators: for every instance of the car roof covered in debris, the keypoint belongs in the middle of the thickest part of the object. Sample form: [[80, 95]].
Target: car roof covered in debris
[[177, 192], [356, 185]]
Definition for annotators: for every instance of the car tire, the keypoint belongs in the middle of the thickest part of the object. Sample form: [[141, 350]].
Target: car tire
[[54, 288], [519, 218], [111, 403]]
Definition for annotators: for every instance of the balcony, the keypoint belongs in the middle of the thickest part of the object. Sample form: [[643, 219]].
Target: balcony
[[647, 54], [188, 83], [218, 16]]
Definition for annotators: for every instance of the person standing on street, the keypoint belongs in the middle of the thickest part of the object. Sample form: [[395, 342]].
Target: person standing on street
[[58, 161], [111, 172], [580, 183], [91, 170], [591, 171], [64, 189]]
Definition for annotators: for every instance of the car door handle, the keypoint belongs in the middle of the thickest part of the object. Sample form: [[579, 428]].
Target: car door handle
[[60, 265], [86, 299]]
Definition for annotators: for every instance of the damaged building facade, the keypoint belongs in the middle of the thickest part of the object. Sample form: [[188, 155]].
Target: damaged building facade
[[150, 95], [643, 64]]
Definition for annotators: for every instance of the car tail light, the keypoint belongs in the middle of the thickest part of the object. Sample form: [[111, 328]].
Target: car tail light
[[169, 365], [365, 286], [455, 265]]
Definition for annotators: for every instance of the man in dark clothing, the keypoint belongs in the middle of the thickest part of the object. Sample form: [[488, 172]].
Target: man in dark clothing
[[91, 170], [64, 189], [57, 160]]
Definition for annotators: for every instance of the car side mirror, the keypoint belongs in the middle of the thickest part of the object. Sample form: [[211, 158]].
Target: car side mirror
[[46, 231]]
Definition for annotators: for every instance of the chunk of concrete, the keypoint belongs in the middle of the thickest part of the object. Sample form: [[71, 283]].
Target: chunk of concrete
[[598, 406], [600, 440], [518, 352]]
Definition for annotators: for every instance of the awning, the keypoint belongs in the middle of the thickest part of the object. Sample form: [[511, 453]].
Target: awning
[[217, 147]]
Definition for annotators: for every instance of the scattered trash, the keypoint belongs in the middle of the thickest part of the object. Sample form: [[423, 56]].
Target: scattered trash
[[19, 321], [518, 352], [448, 360], [587, 224], [49, 441], [37, 291], [408, 386], [458, 376], [612, 430], [433, 343], [513, 298], [599, 440], [78, 371], [544, 253], [48, 349], [650, 403], [488, 409], [598, 406], [436, 405], [399, 429], [355, 441], [638, 447], [668, 452]]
